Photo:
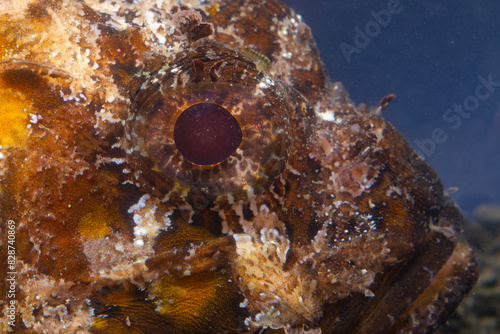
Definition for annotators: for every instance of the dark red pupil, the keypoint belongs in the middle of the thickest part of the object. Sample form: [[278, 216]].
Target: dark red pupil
[[206, 134]]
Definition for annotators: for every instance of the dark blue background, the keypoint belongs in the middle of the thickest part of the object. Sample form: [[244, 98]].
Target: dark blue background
[[430, 55]]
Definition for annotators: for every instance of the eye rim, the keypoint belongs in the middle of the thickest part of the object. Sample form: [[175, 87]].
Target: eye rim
[[210, 162], [185, 84]]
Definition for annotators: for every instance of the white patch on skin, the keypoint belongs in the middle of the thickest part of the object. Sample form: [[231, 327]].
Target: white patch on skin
[[139, 205], [225, 228], [33, 118], [275, 296], [115, 258], [379, 134], [393, 189], [119, 247], [320, 241], [244, 303], [147, 225], [105, 115], [118, 161], [369, 293], [327, 115], [138, 242], [45, 293]]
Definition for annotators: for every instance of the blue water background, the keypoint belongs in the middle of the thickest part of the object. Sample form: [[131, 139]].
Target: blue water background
[[431, 55]]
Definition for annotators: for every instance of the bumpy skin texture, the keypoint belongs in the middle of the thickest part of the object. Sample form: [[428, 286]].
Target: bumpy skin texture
[[324, 219]]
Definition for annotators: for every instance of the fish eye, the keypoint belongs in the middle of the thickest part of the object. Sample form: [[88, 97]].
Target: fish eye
[[206, 134], [212, 120]]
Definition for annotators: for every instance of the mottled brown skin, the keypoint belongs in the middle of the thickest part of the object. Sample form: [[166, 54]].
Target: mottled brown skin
[[324, 220]]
